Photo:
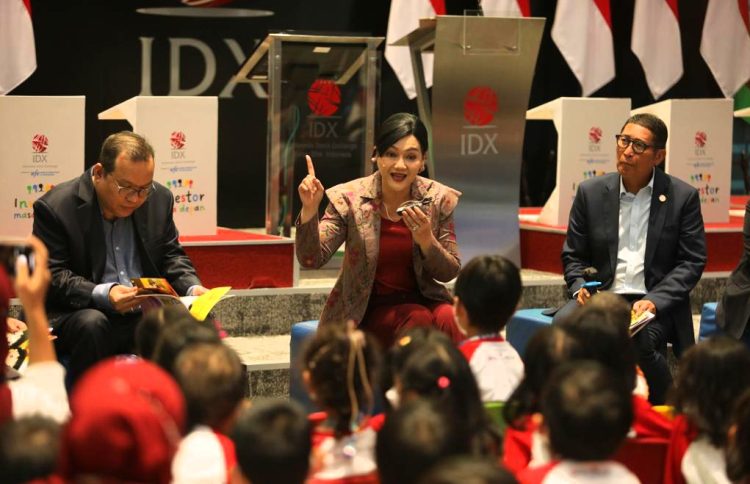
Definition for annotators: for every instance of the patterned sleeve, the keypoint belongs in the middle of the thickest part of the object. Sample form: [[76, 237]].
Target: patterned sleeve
[[442, 260], [317, 240]]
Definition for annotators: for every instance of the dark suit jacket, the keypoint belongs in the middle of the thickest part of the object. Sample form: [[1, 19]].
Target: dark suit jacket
[[68, 220], [733, 311], [675, 245]]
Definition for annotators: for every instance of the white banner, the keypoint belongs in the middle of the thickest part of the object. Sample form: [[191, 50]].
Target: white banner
[[699, 149], [41, 145], [586, 129], [184, 133]]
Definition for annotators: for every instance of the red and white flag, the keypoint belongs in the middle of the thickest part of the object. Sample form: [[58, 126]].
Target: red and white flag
[[403, 18], [725, 44], [510, 8], [656, 42], [17, 50], [583, 33]]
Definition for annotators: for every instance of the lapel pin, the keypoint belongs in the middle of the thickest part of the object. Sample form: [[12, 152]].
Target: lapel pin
[[662, 198]]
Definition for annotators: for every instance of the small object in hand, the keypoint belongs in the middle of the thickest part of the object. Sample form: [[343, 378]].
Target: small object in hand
[[423, 203], [592, 286], [10, 250]]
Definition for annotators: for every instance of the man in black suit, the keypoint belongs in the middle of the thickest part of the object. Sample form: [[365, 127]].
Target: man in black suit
[[643, 231], [733, 310], [109, 225]]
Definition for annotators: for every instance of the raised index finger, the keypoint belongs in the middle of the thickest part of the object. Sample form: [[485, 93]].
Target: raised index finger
[[310, 167]]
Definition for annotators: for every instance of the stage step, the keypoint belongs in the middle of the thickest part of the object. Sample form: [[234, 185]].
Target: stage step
[[266, 362], [269, 312]]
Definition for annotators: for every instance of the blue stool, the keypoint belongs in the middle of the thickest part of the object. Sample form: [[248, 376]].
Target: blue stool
[[708, 325], [301, 332], [523, 325]]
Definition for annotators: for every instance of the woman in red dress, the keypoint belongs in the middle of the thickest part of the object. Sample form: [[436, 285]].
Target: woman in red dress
[[394, 260]]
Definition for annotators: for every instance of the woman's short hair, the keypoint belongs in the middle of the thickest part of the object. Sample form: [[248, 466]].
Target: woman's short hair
[[401, 125]]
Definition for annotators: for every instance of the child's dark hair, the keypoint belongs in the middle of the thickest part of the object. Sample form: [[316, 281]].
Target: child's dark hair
[[409, 341], [179, 335], [29, 448], [711, 376], [213, 381], [602, 334], [489, 287], [415, 437], [587, 410], [342, 363], [438, 371], [738, 445], [398, 126], [547, 349], [467, 470], [272, 442], [149, 329]]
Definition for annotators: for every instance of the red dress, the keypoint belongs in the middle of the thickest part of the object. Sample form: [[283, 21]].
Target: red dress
[[396, 303]]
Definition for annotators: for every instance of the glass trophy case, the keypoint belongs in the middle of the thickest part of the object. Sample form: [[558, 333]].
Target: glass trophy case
[[321, 102]]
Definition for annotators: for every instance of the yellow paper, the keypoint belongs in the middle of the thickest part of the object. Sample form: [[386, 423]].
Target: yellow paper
[[205, 302]]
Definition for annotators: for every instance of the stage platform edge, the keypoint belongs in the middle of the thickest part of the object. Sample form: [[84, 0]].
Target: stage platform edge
[[243, 259], [542, 244]]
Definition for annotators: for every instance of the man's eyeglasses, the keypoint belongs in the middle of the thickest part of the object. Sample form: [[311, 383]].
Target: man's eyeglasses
[[130, 193], [638, 145]]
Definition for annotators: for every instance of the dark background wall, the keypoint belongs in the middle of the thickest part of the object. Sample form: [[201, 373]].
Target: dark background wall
[[95, 48]]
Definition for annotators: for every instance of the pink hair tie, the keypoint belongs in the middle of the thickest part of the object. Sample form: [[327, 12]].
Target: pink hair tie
[[443, 382]]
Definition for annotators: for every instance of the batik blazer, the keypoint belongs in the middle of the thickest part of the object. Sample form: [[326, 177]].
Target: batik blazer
[[353, 215]]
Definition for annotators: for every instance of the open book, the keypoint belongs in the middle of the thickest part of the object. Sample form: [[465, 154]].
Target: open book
[[640, 322], [155, 292]]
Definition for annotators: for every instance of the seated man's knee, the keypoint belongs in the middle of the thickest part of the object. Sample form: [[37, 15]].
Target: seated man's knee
[[92, 321]]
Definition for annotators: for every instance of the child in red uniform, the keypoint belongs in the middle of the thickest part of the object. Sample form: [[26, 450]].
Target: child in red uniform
[[213, 382], [487, 292], [435, 370], [339, 365], [523, 444], [416, 436], [712, 376], [602, 334], [273, 444], [587, 413], [738, 442]]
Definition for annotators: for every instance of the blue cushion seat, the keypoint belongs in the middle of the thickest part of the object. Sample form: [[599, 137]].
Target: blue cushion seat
[[523, 325]]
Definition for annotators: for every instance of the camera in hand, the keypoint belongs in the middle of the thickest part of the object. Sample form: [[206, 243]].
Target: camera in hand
[[9, 252]]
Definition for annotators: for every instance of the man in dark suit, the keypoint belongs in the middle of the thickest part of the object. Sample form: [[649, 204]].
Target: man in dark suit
[[109, 225], [643, 231], [733, 310]]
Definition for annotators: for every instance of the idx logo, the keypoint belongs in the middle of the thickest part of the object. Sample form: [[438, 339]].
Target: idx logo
[[480, 107]]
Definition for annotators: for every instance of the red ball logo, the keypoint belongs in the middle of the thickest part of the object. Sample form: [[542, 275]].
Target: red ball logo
[[700, 139], [39, 143], [324, 97], [177, 139], [595, 134], [480, 106]]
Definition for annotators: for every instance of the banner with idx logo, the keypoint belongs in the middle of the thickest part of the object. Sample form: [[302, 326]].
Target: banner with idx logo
[[41, 145], [184, 133], [699, 149], [586, 147]]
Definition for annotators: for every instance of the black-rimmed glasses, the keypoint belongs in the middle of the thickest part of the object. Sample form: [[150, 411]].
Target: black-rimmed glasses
[[639, 146]]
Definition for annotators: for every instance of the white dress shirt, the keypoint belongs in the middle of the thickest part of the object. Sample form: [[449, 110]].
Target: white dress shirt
[[631, 242]]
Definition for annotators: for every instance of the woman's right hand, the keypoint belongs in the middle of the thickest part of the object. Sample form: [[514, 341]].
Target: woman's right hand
[[310, 193]]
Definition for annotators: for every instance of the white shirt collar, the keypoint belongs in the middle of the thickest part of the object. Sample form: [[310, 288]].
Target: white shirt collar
[[650, 184]]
